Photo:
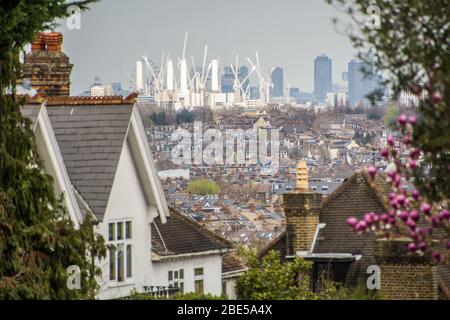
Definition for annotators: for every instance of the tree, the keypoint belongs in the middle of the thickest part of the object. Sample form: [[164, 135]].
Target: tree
[[38, 241], [390, 117], [271, 279], [411, 48], [203, 187]]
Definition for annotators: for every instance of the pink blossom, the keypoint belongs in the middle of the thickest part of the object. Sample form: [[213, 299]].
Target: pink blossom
[[437, 256], [445, 214], [352, 221], [372, 171], [415, 194], [412, 164], [390, 141], [412, 120], [412, 247], [425, 208], [384, 153], [403, 215], [436, 97], [414, 215], [402, 119]]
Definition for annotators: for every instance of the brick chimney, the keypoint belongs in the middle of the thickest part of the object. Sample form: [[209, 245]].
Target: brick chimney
[[47, 67], [302, 208], [405, 276]]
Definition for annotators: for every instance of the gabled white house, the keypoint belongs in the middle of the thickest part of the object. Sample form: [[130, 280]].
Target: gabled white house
[[109, 162]]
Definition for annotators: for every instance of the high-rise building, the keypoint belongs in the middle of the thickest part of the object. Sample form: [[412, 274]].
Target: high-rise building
[[277, 77], [243, 73], [228, 78], [322, 77], [361, 82]]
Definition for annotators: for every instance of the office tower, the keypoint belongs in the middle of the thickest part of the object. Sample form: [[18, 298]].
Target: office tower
[[322, 77], [277, 77], [243, 73], [361, 82], [227, 80]]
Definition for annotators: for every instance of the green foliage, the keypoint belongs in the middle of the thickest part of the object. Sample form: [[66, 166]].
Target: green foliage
[[203, 187], [362, 138], [176, 296], [271, 279], [411, 49], [185, 116], [159, 118], [38, 241], [390, 117]]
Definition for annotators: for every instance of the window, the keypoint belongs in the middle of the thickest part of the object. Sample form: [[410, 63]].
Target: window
[[112, 263], [198, 280], [176, 279], [199, 286], [120, 251]]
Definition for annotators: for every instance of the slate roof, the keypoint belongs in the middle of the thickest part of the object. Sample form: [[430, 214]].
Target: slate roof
[[230, 263], [91, 139], [179, 235], [31, 112]]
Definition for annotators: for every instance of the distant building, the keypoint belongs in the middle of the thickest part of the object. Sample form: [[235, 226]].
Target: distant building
[[100, 90], [254, 93], [322, 77], [277, 90], [228, 78], [361, 82], [294, 93]]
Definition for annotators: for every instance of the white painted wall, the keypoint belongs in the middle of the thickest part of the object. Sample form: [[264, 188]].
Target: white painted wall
[[231, 288], [212, 268], [127, 201]]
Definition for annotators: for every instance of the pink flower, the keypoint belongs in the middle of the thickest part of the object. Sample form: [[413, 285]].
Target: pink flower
[[372, 171], [445, 214], [414, 215], [436, 97], [390, 141], [352, 221], [407, 139], [415, 194], [412, 164], [425, 208], [422, 246], [400, 199], [414, 153], [403, 215], [437, 256], [402, 119], [448, 245], [385, 218], [384, 153], [411, 224], [361, 226], [412, 120], [412, 247]]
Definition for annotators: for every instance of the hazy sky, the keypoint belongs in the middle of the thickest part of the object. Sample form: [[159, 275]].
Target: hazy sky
[[286, 33]]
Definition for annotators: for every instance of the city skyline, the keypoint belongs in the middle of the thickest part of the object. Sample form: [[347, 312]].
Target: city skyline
[[281, 39]]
